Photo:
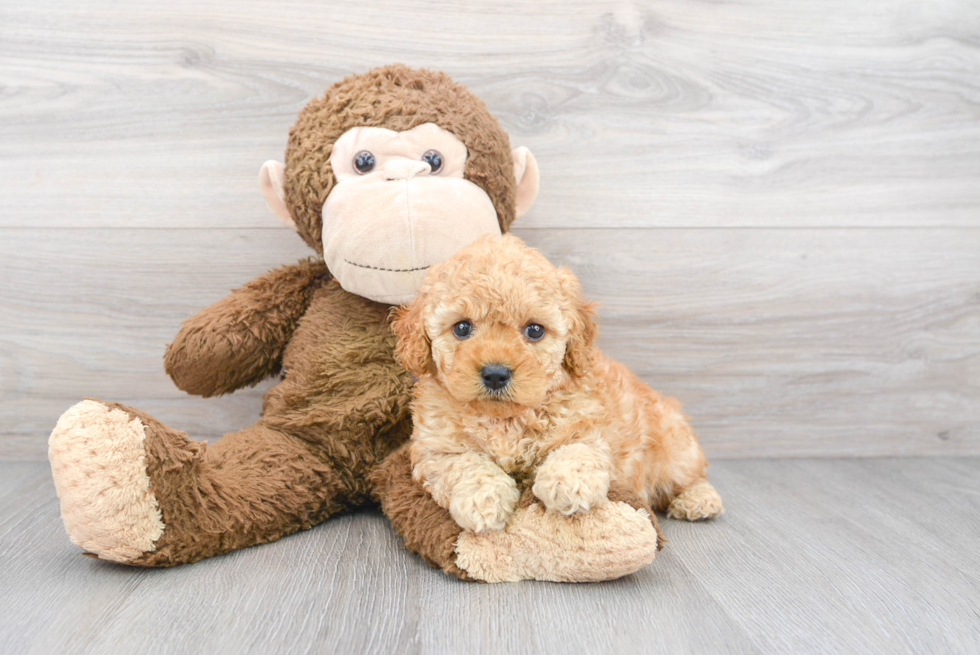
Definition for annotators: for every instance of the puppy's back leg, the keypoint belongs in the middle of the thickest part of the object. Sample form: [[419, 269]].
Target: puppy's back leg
[[699, 501], [690, 497]]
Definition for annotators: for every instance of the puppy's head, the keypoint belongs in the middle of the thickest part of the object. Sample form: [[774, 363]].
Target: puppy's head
[[498, 326]]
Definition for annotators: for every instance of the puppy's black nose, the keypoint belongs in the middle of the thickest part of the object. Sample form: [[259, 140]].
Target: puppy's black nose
[[495, 376]]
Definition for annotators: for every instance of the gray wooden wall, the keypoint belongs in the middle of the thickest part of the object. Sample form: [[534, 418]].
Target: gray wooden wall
[[777, 203]]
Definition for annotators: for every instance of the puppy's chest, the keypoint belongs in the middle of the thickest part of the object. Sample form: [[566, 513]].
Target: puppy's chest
[[517, 445]]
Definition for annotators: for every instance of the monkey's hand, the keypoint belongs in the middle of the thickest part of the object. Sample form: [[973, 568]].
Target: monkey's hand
[[238, 341]]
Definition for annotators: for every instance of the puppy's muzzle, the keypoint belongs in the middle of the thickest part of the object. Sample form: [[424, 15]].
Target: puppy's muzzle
[[495, 376]]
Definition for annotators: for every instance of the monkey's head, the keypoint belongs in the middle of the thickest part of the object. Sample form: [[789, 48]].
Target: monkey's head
[[395, 170]]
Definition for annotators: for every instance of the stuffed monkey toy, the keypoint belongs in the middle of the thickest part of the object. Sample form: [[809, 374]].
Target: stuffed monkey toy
[[388, 173]]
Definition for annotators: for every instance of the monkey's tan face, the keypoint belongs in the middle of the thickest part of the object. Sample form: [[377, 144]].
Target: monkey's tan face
[[399, 206]]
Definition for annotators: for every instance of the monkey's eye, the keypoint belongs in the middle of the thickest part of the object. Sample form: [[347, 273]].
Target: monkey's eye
[[463, 330], [434, 160], [364, 162], [534, 332]]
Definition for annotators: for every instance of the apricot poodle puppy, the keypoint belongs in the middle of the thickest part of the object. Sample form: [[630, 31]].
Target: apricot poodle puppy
[[512, 391]]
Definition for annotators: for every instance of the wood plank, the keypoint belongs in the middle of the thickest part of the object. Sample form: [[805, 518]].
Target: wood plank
[[831, 556], [666, 113], [345, 586], [780, 342], [810, 557]]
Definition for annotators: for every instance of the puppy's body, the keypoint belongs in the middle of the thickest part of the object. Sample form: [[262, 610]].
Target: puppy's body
[[569, 420]]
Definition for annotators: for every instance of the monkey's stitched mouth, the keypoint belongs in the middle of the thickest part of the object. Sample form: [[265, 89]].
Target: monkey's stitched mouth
[[388, 270]]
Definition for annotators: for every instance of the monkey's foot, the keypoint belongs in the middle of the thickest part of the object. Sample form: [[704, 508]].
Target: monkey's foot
[[99, 466], [612, 540], [697, 502]]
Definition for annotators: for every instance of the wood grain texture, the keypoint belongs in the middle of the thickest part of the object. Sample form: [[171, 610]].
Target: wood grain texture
[[780, 342], [777, 203], [856, 556], [667, 112]]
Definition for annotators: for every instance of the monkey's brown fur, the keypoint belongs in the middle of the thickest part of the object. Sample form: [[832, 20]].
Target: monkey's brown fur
[[341, 408], [397, 98]]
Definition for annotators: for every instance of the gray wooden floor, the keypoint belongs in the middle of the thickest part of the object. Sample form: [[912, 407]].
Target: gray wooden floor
[[812, 556]]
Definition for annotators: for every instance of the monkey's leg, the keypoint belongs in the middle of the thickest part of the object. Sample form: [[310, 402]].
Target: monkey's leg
[[611, 540], [137, 492]]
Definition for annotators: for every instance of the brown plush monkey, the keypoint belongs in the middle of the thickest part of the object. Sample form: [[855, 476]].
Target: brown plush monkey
[[387, 173]]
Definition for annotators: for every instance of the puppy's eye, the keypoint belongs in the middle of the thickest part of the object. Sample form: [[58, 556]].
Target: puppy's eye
[[462, 330], [364, 162], [534, 332], [434, 160]]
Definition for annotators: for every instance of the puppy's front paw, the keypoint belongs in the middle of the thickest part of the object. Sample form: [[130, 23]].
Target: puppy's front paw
[[484, 504], [568, 486]]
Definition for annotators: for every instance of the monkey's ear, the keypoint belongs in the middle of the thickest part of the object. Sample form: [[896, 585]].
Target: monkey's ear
[[526, 172], [272, 176]]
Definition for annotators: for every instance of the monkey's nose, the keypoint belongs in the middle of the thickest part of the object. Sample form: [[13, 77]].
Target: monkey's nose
[[405, 169], [495, 376]]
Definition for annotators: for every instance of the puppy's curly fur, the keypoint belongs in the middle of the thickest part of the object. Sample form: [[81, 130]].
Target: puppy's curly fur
[[570, 422]]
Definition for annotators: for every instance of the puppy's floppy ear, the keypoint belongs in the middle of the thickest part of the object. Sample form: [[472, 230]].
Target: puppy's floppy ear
[[580, 348], [413, 348]]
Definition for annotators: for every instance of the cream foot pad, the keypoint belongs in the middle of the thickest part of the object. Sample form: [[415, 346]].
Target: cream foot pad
[[99, 468]]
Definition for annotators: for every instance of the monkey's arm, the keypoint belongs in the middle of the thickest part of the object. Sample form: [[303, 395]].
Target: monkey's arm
[[612, 540], [238, 341]]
